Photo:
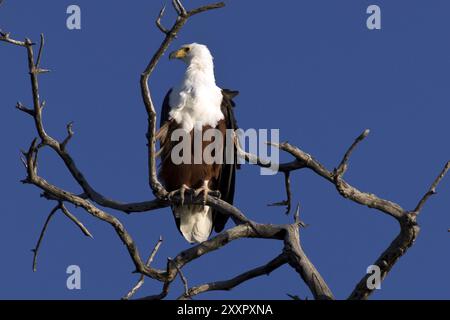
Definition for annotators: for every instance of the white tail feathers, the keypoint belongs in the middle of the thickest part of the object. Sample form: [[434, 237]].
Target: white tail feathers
[[195, 222]]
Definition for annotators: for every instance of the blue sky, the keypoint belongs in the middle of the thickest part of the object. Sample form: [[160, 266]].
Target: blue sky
[[310, 68]]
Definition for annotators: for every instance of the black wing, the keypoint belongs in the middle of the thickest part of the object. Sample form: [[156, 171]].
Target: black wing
[[226, 182], [163, 126], [165, 110], [228, 172]]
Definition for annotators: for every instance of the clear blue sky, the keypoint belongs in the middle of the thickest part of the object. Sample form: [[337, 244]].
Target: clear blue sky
[[310, 68]]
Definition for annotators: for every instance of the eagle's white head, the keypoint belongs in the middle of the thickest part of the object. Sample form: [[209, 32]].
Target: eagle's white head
[[196, 101], [194, 54]]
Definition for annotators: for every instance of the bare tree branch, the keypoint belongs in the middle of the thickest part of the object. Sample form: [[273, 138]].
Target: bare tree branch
[[70, 134], [65, 196], [159, 23], [287, 202], [141, 280], [75, 220], [206, 8], [160, 296], [343, 165], [292, 253], [59, 148], [184, 280], [157, 188], [179, 8], [41, 236], [432, 189], [38, 61], [234, 282], [298, 260], [409, 230], [21, 107], [5, 37], [345, 189], [407, 220]]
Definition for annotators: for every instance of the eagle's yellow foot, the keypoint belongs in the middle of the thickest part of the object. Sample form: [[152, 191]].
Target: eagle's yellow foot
[[205, 190], [180, 191]]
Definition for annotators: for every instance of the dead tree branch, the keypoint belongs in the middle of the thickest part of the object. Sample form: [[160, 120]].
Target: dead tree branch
[[141, 280], [432, 190], [41, 236], [75, 220], [287, 185], [409, 228], [292, 252], [234, 282], [183, 16]]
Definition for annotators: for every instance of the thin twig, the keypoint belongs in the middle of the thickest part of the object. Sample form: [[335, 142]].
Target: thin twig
[[5, 37], [206, 8], [75, 220], [179, 8], [160, 296], [141, 280], [41, 236], [343, 165], [21, 107], [432, 189], [288, 201], [41, 46], [70, 134], [184, 280], [159, 23], [232, 283]]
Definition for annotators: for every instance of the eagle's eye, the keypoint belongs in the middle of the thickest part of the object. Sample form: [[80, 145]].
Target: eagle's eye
[[187, 49]]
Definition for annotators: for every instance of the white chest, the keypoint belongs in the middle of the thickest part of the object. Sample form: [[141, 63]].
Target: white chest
[[196, 105]]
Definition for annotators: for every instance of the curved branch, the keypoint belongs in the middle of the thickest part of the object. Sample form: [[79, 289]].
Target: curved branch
[[75, 220], [432, 190], [66, 196], [158, 190], [407, 220], [343, 165], [346, 190], [141, 280], [159, 23], [60, 148], [41, 236], [409, 230], [246, 228], [234, 282], [292, 252]]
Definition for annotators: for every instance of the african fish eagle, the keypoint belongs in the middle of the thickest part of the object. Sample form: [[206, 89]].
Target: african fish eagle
[[197, 103]]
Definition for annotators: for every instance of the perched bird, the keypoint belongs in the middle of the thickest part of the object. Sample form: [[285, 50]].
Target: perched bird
[[197, 104]]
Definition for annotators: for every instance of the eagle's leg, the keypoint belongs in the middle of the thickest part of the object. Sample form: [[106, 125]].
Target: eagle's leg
[[180, 191], [205, 190]]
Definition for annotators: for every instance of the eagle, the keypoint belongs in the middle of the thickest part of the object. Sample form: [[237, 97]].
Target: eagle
[[197, 104]]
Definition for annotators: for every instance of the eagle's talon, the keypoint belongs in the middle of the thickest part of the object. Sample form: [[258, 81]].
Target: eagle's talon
[[216, 193], [180, 191], [206, 191]]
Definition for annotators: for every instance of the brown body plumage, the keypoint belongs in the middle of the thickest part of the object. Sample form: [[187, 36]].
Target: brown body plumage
[[196, 106]]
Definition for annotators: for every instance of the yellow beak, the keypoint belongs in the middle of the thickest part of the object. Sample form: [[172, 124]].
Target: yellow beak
[[178, 54]]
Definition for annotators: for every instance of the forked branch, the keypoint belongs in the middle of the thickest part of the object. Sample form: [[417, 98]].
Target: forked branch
[[292, 253]]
